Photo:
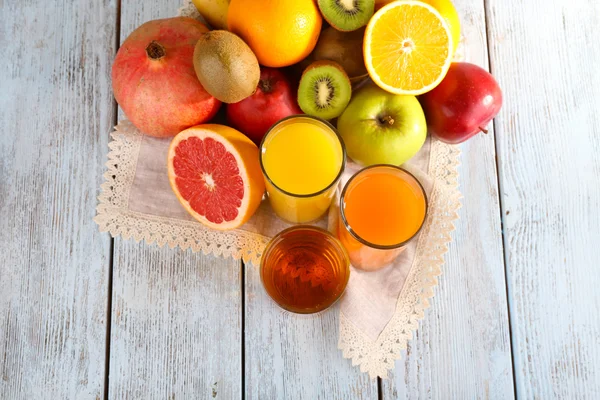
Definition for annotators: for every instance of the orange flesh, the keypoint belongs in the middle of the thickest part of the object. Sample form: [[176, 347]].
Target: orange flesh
[[409, 47], [384, 209]]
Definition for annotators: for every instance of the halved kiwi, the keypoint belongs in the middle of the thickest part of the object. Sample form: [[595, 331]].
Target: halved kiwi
[[347, 15], [324, 90]]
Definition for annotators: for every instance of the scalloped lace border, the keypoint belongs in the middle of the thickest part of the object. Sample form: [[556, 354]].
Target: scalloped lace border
[[377, 357], [374, 357], [114, 216]]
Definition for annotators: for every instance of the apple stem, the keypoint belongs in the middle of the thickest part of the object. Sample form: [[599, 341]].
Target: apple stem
[[265, 85], [483, 130], [387, 120]]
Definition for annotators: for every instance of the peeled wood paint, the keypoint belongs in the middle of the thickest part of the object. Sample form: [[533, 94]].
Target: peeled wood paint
[[53, 320], [548, 156], [54, 270], [176, 328], [462, 348]]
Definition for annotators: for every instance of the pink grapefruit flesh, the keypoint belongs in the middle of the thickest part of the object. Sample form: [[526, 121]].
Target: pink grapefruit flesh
[[214, 172]]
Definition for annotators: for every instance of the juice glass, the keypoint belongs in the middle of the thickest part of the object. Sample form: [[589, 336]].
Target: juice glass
[[305, 269], [302, 159], [382, 208]]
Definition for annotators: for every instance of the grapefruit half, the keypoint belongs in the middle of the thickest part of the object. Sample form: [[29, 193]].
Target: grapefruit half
[[215, 173]]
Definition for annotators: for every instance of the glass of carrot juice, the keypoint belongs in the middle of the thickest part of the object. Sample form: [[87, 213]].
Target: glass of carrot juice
[[382, 208], [302, 160]]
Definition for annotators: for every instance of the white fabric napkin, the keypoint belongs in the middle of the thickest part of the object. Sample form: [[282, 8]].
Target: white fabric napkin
[[137, 201]]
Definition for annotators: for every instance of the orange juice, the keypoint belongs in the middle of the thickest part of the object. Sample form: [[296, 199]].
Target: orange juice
[[302, 159], [382, 208]]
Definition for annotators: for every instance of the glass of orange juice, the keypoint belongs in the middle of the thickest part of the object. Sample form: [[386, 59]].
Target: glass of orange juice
[[382, 208], [302, 160]]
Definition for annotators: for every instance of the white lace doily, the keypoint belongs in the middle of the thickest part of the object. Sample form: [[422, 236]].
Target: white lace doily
[[375, 354], [377, 357]]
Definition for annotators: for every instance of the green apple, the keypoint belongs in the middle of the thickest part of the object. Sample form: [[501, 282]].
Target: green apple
[[382, 128]]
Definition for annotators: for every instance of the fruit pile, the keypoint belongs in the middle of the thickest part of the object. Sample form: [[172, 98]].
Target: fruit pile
[[380, 70]]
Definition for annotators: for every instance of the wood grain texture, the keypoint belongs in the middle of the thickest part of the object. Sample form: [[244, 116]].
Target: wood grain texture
[[56, 111], [176, 325], [462, 348], [295, 357], [176, 316], [546, 57]]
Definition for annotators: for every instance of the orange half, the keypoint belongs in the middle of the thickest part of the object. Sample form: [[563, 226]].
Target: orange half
[[408, 47]]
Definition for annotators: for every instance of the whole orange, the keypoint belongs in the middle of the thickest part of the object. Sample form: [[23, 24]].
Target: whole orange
[[280, 32]]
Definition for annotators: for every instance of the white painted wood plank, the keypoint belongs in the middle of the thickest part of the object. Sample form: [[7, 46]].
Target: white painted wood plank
[[462, 348], [545, 55], [176, 316], [295, 357], [176, 325], [56, 110]]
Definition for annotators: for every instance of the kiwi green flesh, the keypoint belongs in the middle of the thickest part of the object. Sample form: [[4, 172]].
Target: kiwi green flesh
[[324, 92], [347, 15]]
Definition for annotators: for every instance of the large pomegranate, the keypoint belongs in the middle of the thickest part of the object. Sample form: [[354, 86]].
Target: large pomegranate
[[154, 80]]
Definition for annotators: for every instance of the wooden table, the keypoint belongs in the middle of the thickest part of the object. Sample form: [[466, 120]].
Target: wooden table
[[83, 316]]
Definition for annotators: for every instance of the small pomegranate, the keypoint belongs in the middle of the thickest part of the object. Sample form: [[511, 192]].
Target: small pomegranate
[[154, 81]]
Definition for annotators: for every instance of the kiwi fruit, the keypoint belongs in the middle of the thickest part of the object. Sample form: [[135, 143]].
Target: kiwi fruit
[[324, 90], [225, 66], [347, 15], [345, 48]]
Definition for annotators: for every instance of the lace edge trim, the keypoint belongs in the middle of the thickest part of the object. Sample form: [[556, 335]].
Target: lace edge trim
[[377, 357], [113, 216]]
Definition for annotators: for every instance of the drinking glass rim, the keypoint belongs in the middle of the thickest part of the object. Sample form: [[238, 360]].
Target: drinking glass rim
[[327, 124], [356, 235], [313, 228]]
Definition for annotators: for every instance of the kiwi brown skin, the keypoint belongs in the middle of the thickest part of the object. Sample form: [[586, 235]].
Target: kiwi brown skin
[[345, 48], [369, 9], [320, 63], [226, 66]]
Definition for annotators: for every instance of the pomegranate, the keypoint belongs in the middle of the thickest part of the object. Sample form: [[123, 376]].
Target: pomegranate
[[154, 81]]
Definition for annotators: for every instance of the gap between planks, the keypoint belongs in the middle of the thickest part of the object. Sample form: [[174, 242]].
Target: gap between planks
[[500, 205], [112, 240], [243, 325]]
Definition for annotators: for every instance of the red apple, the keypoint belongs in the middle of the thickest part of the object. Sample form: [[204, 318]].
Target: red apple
[[274, 99], [462, 104]]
